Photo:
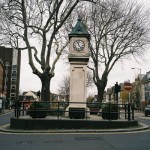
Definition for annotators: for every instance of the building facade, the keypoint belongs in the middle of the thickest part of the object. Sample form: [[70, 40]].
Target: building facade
[[1, 75], [146, 84], [10, 60]]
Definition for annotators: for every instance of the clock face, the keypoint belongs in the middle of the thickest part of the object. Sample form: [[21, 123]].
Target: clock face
[[78, 45]]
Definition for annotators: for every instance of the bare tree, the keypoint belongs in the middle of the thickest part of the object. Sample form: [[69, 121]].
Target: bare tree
[[89, 79], [64, 87], [119, 29], [36, 25]]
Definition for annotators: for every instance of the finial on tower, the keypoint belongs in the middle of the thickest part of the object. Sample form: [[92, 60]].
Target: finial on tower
[[79, 17]]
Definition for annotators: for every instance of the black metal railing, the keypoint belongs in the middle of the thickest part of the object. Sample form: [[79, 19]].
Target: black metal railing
[[59, 109]]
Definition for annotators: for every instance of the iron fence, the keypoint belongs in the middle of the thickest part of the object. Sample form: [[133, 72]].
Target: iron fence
[[81, 110]]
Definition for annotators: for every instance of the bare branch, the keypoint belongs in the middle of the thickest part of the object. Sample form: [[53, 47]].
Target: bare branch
[[57, 57], [118, 28]]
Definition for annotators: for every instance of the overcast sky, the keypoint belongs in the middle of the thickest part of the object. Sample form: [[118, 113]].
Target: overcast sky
[[120, 73]]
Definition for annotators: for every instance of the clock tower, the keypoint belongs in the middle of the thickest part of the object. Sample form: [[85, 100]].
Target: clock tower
[[78, 59]]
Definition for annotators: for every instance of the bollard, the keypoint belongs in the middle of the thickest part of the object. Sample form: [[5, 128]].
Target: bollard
[[129, 113], [125, 111], [58, 111], [15, 109], [109, 112], [132, 111], [23, 109]]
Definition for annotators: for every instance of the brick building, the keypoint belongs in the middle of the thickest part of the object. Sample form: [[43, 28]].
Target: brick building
[[10, 60]]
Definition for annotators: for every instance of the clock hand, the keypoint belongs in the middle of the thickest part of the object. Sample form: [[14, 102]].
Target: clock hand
[[79, 44]]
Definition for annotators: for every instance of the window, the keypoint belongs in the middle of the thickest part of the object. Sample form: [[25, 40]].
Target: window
[[6, 71], [7, 63], [13, 90], [13, 98], [148, 76], [13, 94], [13, 82], [13, 87], [14, 67], [14, 74], [13, 79]]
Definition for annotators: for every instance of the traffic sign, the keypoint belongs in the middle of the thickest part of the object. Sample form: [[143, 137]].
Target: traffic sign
[[127, 86]]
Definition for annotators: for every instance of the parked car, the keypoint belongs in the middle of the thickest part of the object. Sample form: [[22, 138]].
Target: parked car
[[147, 110]]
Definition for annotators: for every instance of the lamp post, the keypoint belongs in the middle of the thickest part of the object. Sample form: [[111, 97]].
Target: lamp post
[[137, 69], [139, 83]]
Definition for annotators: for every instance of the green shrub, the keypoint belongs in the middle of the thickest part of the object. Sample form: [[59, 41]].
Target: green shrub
[[94, 105], [112, 107], [110, 111], [55, 111], [38, 110]]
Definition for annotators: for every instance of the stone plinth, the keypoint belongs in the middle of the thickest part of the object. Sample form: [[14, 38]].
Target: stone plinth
[[78, 82]]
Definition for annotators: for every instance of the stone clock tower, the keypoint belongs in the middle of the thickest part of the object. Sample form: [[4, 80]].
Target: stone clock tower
[[78, 58]]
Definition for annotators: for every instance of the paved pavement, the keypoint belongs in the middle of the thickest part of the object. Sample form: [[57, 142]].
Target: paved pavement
[[6, 111], [6, 128]]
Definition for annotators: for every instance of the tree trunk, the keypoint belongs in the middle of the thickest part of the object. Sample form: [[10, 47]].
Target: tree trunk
[[100, 92], [101, 84], [45, 89]]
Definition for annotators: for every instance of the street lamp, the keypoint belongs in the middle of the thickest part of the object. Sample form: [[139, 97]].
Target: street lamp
[[139, 83], [137, 69]]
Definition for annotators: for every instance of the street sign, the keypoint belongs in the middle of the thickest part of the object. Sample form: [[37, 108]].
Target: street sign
[[127, 86]]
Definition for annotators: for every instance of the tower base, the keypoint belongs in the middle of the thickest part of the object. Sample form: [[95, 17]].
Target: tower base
[[76, 112]]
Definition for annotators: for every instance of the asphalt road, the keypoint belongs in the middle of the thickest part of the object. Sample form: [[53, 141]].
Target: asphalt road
[[5, 118], [102, 141], [141, 118], [111, 141]]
